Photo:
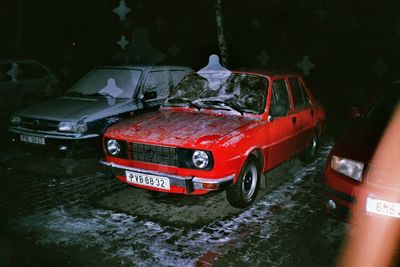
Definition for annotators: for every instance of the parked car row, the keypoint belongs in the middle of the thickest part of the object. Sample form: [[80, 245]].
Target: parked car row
[[169, 129], [216, 129], [74, 122]]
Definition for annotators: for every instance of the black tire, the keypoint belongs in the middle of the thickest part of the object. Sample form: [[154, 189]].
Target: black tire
[[244, 191], [311, 150]]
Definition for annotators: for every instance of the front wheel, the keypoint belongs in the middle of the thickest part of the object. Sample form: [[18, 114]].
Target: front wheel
[[244, 191]]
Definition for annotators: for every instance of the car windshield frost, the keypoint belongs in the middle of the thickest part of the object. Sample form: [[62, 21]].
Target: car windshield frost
[[115, 83], [221, 90]]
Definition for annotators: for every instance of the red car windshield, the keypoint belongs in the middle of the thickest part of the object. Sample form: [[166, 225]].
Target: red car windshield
[[241, 92]]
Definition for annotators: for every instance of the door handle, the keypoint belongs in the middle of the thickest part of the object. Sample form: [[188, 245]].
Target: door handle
[[294, 119]]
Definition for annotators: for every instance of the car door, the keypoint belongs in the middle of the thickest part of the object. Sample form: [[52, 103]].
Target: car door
[[303, 112], [281, 126]]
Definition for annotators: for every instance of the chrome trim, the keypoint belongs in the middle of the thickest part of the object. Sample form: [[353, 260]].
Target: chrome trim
[[213, 181], [182, 181], [117, 166], [52, 135]]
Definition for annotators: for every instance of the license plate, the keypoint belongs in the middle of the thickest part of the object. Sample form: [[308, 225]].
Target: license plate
[[33, 139], [383, 207], [147, 180]]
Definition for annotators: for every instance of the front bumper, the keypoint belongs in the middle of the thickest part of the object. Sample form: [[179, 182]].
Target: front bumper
[[58, 144], [338, 204], [190, 184]]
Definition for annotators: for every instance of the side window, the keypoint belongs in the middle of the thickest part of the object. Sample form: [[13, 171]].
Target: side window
[[280, 104], [177, 76], [31, 71], [300, 97], [157, 81]]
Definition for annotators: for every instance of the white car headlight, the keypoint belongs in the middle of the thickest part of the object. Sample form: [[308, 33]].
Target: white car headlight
[[348, 167], [113, 147], [200, 159], [15, 120], [72, 127]]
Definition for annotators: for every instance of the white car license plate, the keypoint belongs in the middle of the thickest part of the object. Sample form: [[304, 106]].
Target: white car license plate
[[147, 180], [33, 139], [383, 207]]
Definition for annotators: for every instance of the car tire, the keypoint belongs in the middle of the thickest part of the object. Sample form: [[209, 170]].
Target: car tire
[[311, 150], [244, 191]]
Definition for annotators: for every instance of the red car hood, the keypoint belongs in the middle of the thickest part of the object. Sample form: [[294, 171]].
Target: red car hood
[[177, 128]]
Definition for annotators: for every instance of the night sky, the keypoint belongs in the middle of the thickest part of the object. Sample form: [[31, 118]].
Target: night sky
[[354, 45]]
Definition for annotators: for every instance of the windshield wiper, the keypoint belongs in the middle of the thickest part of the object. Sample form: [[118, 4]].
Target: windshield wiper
[[104, 94], [75, 93], [223, 103], [182, 100]]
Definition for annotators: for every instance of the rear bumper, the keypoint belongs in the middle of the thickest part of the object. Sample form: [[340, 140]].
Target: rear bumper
[[189, 185]]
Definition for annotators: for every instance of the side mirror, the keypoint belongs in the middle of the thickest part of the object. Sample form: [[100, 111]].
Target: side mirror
[[355, 112], [278, 111], [149, 95]]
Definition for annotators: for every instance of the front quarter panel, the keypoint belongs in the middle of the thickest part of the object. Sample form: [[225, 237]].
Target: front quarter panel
[[231, 151]]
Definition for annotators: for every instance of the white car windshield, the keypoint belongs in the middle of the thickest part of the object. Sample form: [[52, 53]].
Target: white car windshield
[[114, 83]]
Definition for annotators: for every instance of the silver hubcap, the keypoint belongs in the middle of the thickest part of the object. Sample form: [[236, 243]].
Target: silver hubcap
[[313, 147], [249, 182]]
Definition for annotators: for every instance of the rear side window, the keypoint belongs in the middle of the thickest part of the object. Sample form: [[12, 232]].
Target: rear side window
[[177, 76], [157, 81], [32, 72], [280, 97], [300, 97]]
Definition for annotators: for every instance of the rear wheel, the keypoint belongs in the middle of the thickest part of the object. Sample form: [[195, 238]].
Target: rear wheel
[[311, 150], [244, 192]]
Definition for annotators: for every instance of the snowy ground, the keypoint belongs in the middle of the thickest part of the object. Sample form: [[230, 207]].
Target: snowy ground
[[89, 220]]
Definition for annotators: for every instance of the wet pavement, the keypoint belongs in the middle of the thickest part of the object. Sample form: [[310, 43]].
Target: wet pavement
[[66, 213]]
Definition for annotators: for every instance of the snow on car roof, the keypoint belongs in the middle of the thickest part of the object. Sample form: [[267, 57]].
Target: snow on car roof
[[144, 67]]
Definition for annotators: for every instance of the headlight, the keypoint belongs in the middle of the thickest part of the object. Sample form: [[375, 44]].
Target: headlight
[[113, 147], [348, 167], [200, 159], [72, 127], [15, 120]]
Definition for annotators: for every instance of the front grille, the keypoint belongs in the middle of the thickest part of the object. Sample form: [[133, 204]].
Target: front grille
[[39, 124], [154, 154]]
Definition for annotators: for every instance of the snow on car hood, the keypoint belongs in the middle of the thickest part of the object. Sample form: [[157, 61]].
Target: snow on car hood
[[177, 128], [76, 109]]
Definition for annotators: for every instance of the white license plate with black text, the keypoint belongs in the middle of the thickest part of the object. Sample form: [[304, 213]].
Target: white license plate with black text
[[32, 139], [147, 180], [383, 207]]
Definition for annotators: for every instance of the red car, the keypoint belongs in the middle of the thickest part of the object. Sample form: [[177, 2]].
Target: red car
[[218, 129], [357, 183]]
